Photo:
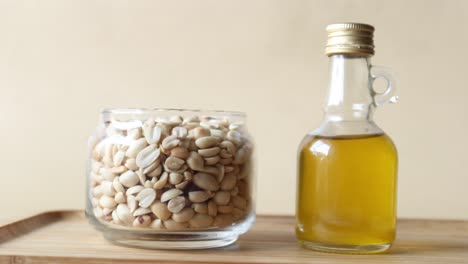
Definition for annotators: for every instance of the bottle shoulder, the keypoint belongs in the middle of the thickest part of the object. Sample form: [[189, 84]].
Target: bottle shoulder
[[316, 144], [347, 128]]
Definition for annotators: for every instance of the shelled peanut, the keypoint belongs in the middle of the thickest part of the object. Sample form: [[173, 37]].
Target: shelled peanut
[[172, 173]]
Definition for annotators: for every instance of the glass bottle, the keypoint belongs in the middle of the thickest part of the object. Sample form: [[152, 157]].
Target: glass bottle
[[347, 167]]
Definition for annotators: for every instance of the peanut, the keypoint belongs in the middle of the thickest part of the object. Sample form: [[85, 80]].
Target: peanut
[[160, 210], [183, 216], [176, 204], [205, 181]]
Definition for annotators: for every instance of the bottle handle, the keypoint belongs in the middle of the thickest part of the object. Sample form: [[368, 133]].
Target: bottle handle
[[387, 96]]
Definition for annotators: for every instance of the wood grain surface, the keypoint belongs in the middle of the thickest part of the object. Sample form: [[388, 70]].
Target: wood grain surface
[[66, 237]]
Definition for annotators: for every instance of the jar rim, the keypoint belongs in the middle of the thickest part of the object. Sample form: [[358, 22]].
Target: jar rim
[[181, 110]]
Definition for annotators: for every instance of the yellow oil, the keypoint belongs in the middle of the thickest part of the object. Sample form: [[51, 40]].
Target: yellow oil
[[347, 190]]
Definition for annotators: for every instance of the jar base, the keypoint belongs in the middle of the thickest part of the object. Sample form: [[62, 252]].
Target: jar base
[[178, 241], [165, 239], [346, 249]]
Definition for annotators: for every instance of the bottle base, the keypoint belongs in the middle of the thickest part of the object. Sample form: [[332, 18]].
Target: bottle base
[[346, 249]]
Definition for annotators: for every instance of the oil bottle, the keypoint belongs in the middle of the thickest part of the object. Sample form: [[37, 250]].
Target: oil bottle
[[347, 167]]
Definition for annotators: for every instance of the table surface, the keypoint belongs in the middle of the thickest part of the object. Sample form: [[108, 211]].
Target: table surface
[[67, 237]]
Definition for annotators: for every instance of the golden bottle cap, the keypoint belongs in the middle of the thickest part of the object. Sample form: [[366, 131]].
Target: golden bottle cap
[[350, 39]]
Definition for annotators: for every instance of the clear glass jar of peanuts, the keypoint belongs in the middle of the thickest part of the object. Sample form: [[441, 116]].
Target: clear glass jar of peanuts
[[166, 178]]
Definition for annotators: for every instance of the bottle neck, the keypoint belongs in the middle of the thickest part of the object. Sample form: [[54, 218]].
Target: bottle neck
[[349, 92]]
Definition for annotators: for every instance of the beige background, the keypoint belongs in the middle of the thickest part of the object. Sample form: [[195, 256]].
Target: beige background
[[62, 61]]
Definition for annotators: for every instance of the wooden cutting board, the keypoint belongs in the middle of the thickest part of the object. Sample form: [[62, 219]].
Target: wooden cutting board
[[66, 237]]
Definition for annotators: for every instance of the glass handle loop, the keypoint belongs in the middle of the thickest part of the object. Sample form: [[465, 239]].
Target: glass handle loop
[[387, 96]]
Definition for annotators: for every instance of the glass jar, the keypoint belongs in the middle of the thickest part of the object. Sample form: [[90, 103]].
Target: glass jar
[[168, 178], [347, 167]]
